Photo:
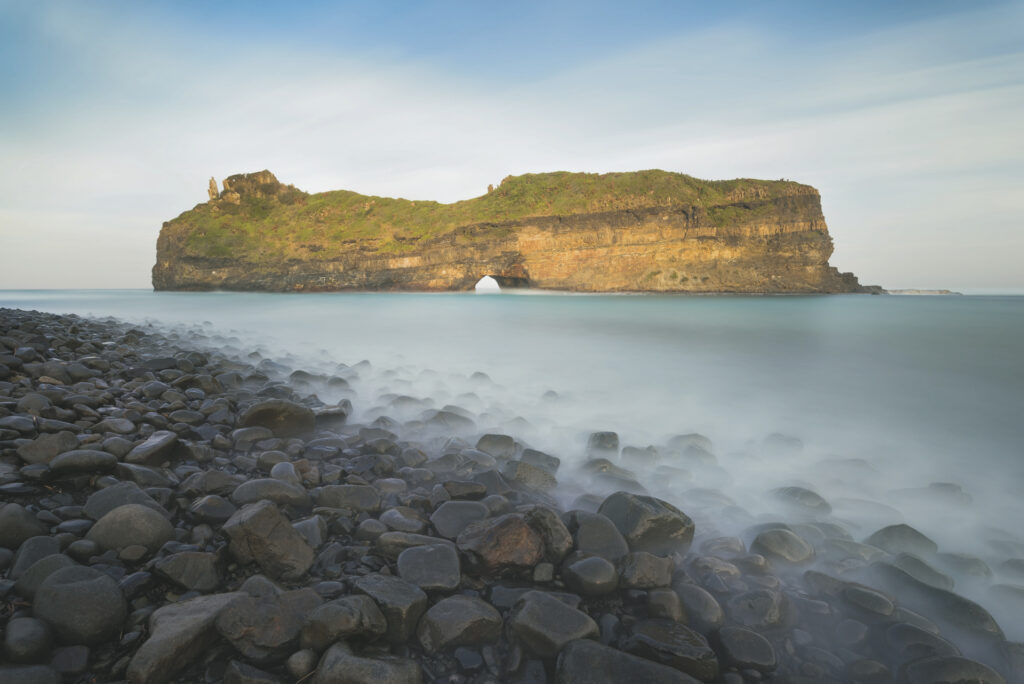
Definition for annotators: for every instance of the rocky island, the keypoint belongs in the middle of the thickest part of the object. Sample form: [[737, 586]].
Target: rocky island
[[646, 231]]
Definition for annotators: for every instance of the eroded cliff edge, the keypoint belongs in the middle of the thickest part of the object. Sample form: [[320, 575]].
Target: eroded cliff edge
[[647, 231]]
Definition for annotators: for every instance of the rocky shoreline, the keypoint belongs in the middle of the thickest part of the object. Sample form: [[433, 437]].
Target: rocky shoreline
[[173, 513]]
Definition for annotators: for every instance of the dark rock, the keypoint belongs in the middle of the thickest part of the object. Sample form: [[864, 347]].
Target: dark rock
[[642, 570], [82, 461], [401, 602], [744, 649], [403, 518], [901, 538], [70, 660], [553, 532], [82, 605], [758, 609], [665, 603], [545, 624], [192, 570], [392, 544], [281, 493], [904, 643], [541, 460], [155, 450], [586, 662], [178, 633], [283, 418], [31, 550], [603, 444], [452, 517], [265, 628], [243, 673], [355, 497], [17, 525], [649, 524], [29, 674], [674, 645], [259, 532], [212, 509], [949, 670], [47, 446], [920, 570], [344, 619], [868, 599], [27, 640], [107, 499], [595, 534], [431, 568], [803, 500], [340, 666], [590, 576], [458, 621], [463, 490], [782, 545], [498, 544], [129, 525], [498, 446], [530, 476], [32, 578], [703, 611]]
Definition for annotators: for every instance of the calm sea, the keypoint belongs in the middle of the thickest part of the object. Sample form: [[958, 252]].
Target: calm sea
[[886, 394]]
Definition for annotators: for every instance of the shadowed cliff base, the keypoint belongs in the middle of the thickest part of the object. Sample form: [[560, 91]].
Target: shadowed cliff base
[[645, 231]]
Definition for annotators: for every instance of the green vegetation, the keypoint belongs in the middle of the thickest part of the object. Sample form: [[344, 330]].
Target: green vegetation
[[279, 221]]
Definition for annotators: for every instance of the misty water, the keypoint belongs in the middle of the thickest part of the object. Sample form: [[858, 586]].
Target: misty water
[[892, 408]]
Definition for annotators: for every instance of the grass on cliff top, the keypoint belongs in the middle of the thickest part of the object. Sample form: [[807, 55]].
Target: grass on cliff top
[[323, 225]]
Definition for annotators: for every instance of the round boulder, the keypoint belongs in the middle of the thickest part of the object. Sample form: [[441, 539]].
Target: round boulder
[[649, 524], [83, 605], [130, 525]]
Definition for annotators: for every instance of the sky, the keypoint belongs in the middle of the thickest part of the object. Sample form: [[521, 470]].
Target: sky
[[908, 117]]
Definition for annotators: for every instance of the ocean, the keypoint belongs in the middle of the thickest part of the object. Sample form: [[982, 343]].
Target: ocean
[[893, 408]]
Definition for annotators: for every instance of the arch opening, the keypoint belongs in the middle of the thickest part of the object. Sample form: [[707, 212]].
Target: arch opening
[[496, 283], [487, 284]]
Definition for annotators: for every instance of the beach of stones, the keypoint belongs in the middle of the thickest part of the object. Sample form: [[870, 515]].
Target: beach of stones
[[174, 512]]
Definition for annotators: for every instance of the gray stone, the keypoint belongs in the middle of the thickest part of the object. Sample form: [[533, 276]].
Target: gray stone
[[30, 551], [340, 666], [498, 446], [265, 628], [283, 418], [259, 532], [82, 605], [107, 499], [82, 461], [541, 460], [458, 621], [674, 645], [586, 662], [703, 611], [452, 517], [802, 500], [758, 609], [212, 509], [343, 619], [591, 576], [642, 570], [32, 578], [130, 525], [47, 446], [243, 673], [392, 544], [545, 624], [949, 670], [159, 447], [431, 568], [603, 444], [27, 640], [649, 524], [529, 476], [29, 674], [553, 532], [665, 603], [401, 602], [17, 525], [356, 497], [901, 538], [403, 519], [191, 570], [744, 649], [501, 544], [278, 491], [179, 632], [782, 545], [597, 535]]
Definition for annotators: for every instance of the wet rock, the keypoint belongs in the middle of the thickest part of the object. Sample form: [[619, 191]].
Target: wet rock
[[47, 446], [32, 550], [178, 633], [541, 460], [499, 544], [157, 449], [902, 538], [530, 476], [595, 534], [744, 649], [355, 497], [665, 603], [81, 461], [585, 662], [649, 524], [868, 672], [458, 621], [431, 568], [804, 501], [904, 643], [265, 627], [281, 493], [603, 445], [703, 611], [591, 576], [29, 674], [107, 499], [82, 605], [401, 602], [260, 533], [339, 665], [463, 490], [545, 625], [498, 446], [344, 619], [403, 519], [243, 673], [27, 640], [283, 418], [191, 570], [642, 570], [17, 525], [392, 544], [129, 525], [921, 570], [758, 609], [949, 670], [452, 517], [553, 532], [782, 545], [70, 660], [212, 509], [674, 645], [29, 581]]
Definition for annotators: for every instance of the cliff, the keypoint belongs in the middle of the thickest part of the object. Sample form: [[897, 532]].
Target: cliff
[[648, 231]]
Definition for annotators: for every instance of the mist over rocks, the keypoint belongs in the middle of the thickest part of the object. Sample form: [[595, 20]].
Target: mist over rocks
[[236, 518]]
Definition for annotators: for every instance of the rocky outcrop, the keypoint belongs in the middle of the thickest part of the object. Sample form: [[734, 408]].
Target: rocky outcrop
[[573, 232]]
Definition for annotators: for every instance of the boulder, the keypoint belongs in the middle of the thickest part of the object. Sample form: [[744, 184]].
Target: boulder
[[595, 534], [265, 628], [745, 649], [131, 525], [545, 625], [431, 568], [500, 544], [344, 619], [260, 533], [674, 645], [649, 524], [283, 418], [586, 662], [401, 602], [280, 492], [458, 621], [82, 605], [452, 517], [158, 448], [17, 525], [339, 665]]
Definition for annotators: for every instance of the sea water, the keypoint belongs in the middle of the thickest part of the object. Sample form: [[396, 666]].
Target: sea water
[[893, 408]]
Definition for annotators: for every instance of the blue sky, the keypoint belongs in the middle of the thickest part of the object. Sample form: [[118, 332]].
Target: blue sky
[[906, 116]]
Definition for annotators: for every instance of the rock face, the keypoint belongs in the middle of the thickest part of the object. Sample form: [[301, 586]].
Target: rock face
[[645, 231]]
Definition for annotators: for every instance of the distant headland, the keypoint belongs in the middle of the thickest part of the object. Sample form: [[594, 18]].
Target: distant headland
[[644, 231]]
